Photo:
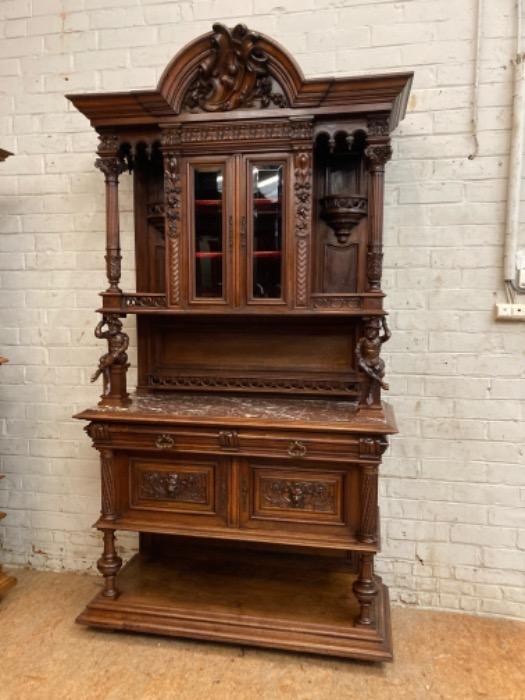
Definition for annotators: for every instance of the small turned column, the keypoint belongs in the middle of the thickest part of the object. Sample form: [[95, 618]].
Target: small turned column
[[109, 565], [378, 151], [365, 589], [112, 166]]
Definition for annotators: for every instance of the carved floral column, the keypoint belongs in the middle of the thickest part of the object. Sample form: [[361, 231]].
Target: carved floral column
[[302, 146], [170, 147], [112, 166], [378, 152]]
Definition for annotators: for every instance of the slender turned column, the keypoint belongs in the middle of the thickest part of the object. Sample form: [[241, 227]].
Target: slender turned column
[[378, 152], [170, 147], [112, 166], [365, 589], [109, 565]]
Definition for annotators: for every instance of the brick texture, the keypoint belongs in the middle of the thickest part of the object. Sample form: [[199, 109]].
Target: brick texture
[[453, 487]]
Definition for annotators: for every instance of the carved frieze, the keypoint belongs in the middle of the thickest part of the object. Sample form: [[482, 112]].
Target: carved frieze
[[234, 74], [140, 301], [189, 487], [307, 386], [300, 495], [336, 302]]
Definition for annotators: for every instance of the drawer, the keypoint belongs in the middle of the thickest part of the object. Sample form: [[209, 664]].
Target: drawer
[[284, 444], [314, 500]]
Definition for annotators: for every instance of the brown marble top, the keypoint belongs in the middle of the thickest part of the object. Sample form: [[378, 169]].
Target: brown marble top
[[247, 410]]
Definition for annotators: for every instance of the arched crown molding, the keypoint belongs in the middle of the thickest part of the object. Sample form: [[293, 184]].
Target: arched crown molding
[[227, 69]]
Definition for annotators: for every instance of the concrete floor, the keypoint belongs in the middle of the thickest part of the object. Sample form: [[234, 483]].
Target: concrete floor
[[45, 655]]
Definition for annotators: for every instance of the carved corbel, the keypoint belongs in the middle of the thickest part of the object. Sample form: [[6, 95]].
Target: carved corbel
[[98, 432]]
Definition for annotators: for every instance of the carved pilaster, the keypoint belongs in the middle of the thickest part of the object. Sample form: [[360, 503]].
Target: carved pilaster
[[303, 216], [378, 151], [112, 166], [170, 140], [368, 501], [108, 485]]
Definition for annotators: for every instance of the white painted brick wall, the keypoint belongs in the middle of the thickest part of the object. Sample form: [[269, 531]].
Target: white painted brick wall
[[453, 487]]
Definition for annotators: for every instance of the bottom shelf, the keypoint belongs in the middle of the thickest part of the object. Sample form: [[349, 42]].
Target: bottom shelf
[[263, 599]]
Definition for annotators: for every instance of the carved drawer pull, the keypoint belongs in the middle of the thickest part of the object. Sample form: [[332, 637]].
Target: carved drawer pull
[[164, 442], [297, 449]]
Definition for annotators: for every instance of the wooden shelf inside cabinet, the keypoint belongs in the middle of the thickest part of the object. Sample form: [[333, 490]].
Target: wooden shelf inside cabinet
[[248, 459]]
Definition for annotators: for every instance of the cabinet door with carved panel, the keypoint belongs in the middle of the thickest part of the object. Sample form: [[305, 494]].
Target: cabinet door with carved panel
[[178, 491], [309, 501]]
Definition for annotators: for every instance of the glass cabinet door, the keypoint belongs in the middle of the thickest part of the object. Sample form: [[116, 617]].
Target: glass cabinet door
[[264, 229], [209, 212]]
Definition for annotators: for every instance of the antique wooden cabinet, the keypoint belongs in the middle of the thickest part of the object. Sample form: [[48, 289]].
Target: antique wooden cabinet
[[248, 457]]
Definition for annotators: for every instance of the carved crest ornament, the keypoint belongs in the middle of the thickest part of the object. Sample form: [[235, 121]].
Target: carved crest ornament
[[235, 74]]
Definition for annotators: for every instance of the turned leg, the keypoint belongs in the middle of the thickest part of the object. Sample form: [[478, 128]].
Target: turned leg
[[365, 590], [109, 565]]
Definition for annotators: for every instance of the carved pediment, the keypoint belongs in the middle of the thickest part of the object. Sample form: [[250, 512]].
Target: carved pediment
[[234, 74]]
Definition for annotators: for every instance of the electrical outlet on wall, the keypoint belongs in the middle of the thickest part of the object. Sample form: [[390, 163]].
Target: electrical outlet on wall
[[510, 312]]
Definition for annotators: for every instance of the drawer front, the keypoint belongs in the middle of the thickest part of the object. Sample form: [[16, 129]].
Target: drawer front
[[182, 490], [309, 500], [284, 444]]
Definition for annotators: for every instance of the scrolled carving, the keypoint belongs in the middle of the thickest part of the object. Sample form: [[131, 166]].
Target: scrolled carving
[[118, 343], [234, 74], [378, 126], [98, 432], [175, 485], [368, 351], [378, 154], [111, 166], [372, 447], [108, 142], [300, 495], [255, 383]]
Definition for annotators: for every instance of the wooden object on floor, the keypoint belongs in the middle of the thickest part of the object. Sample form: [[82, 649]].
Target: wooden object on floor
[[258, 420]]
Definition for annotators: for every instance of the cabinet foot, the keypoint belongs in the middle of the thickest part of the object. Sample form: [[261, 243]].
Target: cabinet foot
[[109, 565], [365, 589]]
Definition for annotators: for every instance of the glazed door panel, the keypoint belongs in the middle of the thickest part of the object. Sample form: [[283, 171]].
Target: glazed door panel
[[209, 219], [264, 227]]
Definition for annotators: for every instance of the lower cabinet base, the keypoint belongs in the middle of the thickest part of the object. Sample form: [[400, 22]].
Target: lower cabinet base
[[263, 599]]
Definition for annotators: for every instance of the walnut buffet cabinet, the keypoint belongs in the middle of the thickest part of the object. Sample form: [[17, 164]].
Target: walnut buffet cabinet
[[248, 457]]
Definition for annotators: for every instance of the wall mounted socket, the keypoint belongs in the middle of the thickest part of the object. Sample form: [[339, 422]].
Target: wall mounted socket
[[510, 312]]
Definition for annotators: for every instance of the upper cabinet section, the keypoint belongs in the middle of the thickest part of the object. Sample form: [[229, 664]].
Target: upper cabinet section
[[255, 190]]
